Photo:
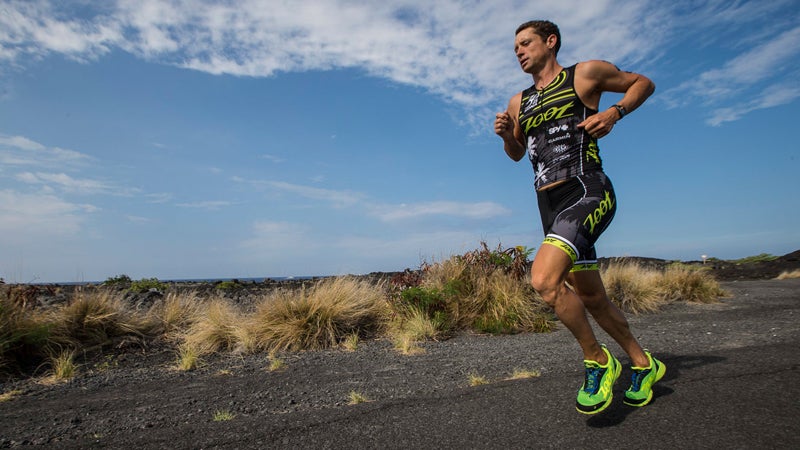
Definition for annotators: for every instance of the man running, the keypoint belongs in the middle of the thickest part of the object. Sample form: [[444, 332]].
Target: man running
[[556, 122]]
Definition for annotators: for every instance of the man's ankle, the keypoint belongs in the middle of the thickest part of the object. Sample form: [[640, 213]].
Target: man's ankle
[[600, 357]]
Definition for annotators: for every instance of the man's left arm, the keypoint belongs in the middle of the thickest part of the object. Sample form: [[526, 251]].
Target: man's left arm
[[596, 77]]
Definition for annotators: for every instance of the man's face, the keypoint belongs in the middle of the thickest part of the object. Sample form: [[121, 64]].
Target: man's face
[[531, 50]]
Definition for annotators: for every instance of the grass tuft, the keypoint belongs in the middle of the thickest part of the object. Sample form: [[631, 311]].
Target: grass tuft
[[188, 358], [63, 366], [319, 317], [351, 341], [97, 319], [484, 290], [10, 395], [477, 380], [632, 287], [223, 416], [521, 374], [217, 327], [692, 286], [787, 275], [176, 313], [637, 289], [276, 364], [357, 397]]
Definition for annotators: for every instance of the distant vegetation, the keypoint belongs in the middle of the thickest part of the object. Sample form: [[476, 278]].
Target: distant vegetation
[[485, 290]]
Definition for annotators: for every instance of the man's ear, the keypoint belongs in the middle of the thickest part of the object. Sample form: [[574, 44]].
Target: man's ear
[[551, 41]]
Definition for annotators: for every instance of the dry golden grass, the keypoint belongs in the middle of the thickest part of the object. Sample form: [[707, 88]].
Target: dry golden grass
[[350, 342], [487, 299], [319, 317], [786, 275], [63, 366], [357, 397], [637, 289], [502, 304], [477, 380], [95, 319], [632, 287], [521, 374], [188, 358], [10, 395], [24, 334], [217, 327], [276, 364], [694, 286], [416, 325], [405, 344], [176, 313], [223, 416]]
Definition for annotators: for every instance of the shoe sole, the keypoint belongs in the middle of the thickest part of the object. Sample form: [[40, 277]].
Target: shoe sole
[[600, 407], [660, 371]]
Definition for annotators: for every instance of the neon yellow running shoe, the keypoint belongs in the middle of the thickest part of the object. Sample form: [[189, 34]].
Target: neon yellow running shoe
[[596, 393], [640, 392]]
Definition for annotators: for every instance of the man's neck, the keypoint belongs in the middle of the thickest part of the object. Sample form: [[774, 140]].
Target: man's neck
[[547, 74]]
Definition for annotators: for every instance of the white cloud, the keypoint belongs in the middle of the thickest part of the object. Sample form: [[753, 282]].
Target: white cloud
[[772, 96], [459, 50], [335, 198], [66, 183], [750, 81], [211, 205], [21, 151], [25, 217], [33, 28], [20, 142], [138, 219], [480, 210]]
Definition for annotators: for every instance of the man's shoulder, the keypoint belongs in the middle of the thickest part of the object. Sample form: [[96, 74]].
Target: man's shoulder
[[593, 65]]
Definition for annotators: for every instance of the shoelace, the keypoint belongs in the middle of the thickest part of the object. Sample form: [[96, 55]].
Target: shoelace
[[637, 377], [591, 381]]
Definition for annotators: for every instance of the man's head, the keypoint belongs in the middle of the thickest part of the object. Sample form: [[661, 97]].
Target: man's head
[[543, 28]]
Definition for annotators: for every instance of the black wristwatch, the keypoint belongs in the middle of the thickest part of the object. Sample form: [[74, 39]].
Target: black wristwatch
[[620, 110]]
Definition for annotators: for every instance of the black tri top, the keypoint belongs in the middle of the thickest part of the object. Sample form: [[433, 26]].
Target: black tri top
[[557, 148]]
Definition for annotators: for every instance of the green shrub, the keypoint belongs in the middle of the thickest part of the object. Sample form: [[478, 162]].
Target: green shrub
[[118, 280], [485, 290], [763, 257], [145, 284], [230, 285]]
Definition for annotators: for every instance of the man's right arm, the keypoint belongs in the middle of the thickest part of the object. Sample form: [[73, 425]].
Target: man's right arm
[[506, 126]]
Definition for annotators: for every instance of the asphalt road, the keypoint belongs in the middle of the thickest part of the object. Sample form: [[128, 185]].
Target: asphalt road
[[732, 381]]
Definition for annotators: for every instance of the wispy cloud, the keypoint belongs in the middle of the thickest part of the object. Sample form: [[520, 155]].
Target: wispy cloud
[[211, 205], [66, 183], [32, 216], [21, 151], [775, 95], [480, 210], [335, 198], [273, 158], [759, 68]]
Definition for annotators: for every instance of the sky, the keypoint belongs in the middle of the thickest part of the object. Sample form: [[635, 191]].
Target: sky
[[187, 139]]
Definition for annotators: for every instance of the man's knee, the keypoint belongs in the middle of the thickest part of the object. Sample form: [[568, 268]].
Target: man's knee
[[546, 286]]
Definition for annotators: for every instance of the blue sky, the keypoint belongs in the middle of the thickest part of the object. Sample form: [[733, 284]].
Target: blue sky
[[200, 139]]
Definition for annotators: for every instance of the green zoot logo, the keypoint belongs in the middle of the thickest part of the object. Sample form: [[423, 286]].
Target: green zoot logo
[[606, 205], [556, 112]]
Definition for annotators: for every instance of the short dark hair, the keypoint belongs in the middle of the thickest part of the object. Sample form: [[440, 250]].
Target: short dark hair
[[543, 28]]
